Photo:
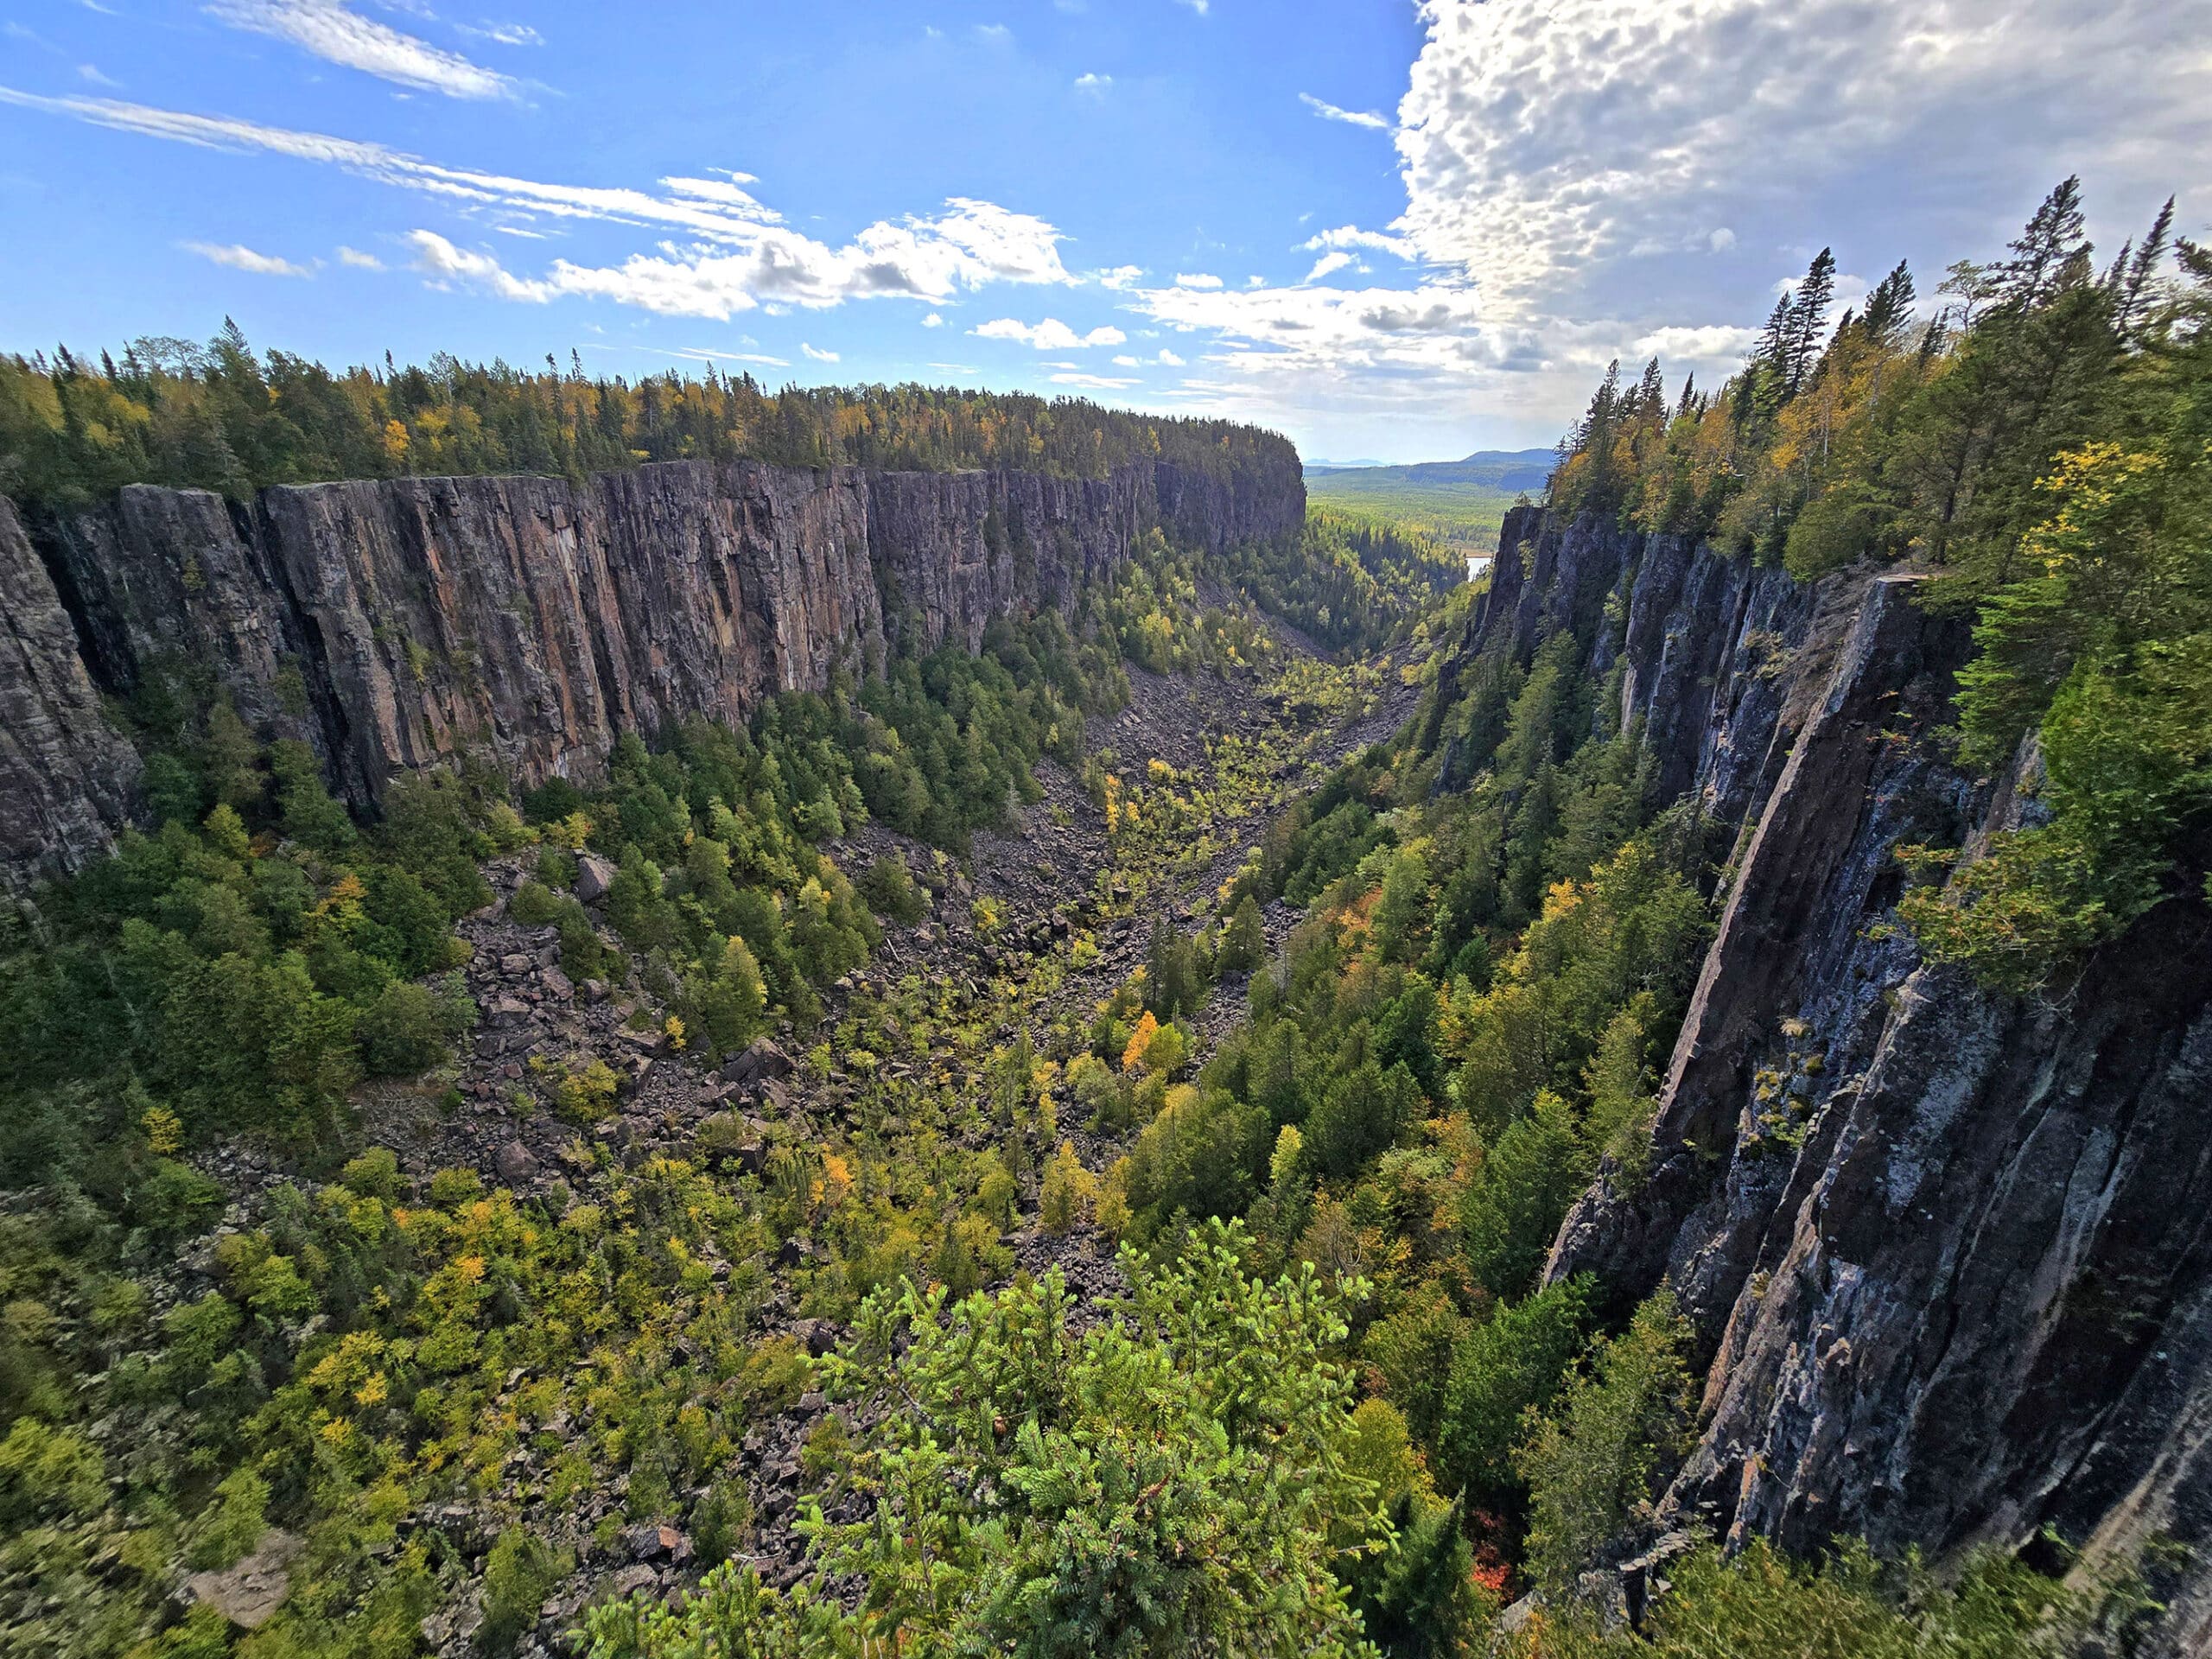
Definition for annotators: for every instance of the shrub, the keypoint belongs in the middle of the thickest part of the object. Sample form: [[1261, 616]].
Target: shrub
[[519, 1573], [1592, 1459], [403, 1034], [890, 889]]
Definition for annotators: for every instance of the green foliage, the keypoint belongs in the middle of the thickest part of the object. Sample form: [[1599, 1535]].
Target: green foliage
[[1351, 582], [891, 891], [1759, 1604], [1592, 1459], [220, 417], [1508, 1366], [519, 1572], [1166, 1482], [2041, 450]]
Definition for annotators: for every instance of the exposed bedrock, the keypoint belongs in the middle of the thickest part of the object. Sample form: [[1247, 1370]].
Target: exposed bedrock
[[403, 623], [1948, 1254]]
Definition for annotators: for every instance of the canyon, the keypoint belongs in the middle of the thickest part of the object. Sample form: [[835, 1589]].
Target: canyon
[[1948, 1253], [527, 620]]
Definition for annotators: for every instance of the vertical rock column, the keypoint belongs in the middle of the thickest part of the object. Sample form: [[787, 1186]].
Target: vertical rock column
[[66, 776]]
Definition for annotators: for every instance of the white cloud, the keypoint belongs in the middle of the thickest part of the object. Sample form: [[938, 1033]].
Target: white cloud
[[996, 34], [504, 34], [1326, 263], [933, 320], [1170, 358], [1541, 139], [1200, 6], [1092, 382], [1093, 84], [1120, 277], [1711, 345], [445, 265], [240, 258], [1187, 279], [1329, 111], [1350, 236], [819, 355], [1128, 362], [90, 73], [358, 260], [739, 254], [1721, 240], [1050, 335], [330, 31]]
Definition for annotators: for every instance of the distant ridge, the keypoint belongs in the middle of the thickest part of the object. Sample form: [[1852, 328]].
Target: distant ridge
[[1510, 470], [1462, 501]]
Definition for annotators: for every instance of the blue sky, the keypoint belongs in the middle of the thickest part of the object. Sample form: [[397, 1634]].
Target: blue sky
[[1394, 230]]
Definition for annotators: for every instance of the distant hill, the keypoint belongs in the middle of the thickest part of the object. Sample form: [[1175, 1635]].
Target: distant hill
[[1462, 502]]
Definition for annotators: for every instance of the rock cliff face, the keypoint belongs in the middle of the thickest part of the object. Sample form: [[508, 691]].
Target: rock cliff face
[[64, 776], [400, 624], [1948, 1254]]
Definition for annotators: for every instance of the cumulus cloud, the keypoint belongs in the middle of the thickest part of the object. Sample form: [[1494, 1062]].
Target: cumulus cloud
[[329, 30], [1329, 111], [1093, 84], [238, 257], [1050, 335], [734, 254], [1200, 279], [933, 320], [1542, 139], [1169, 358], [1120, 277]]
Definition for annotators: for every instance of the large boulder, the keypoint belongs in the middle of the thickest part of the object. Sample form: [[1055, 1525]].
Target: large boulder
[[595, 877], [764, 1062]]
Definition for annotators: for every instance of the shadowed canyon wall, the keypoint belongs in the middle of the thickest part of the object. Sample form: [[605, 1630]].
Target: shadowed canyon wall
[[1948, 1253], [404, 623]]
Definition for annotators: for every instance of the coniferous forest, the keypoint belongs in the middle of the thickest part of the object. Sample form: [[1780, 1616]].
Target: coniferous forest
[[1068, 1147]]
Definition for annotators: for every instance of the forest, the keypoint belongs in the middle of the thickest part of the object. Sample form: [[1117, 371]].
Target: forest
[[1329, 1402], [223, 417]]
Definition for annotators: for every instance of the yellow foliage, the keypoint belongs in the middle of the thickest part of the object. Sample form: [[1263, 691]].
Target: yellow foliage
[[1140, 1041]]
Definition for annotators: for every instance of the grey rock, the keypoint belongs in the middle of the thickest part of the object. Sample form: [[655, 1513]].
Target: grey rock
[[515, 1164], [65, 777], [595, 877], [249, 1593]]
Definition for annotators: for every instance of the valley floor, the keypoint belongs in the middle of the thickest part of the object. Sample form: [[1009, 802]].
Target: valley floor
[[1052, 914]]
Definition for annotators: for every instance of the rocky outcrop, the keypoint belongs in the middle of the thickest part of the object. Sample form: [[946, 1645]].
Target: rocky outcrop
[[532, 620], [1948, 1254], [66, 775]]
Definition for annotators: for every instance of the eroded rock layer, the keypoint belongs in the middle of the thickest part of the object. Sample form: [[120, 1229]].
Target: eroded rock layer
[[1948, 1254]]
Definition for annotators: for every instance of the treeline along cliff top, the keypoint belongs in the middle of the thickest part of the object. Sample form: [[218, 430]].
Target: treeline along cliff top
[[220, 417]]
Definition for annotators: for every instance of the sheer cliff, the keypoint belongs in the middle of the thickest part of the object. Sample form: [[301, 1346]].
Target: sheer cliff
[[402, 623], [1948, 1254]]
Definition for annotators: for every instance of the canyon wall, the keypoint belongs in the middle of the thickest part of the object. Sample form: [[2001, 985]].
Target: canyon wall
[[1947, 1253], [404, 623]]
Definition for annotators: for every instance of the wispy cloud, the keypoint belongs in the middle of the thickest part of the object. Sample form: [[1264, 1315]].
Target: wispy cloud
[[502, 34], [1050, 335], [358, 260], [90, 73], [740, 254], [1350, 236], [1328, 262], [1329, 111], [818, 354], [238, 257], [329, 30], [1092, 382]]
